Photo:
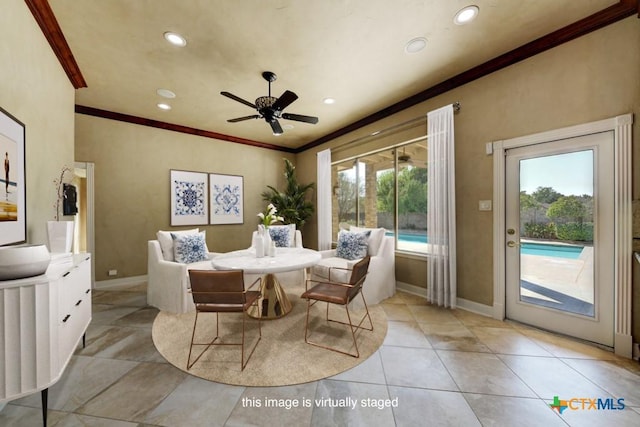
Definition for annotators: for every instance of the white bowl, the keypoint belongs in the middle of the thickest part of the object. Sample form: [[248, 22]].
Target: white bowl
[[17, 262]]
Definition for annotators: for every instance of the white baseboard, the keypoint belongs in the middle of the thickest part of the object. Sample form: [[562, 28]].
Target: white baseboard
[[474, 307], [623, 345], [118, 283], [461, 303], [411, 289]]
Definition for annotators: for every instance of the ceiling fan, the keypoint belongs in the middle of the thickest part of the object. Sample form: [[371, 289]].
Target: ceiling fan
[[270, 108], [405, 159]]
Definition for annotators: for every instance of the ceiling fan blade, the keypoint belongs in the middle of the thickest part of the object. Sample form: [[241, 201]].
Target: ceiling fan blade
[[285, 99], [236, 98], [241, 119], [300, 118], [275, 126]]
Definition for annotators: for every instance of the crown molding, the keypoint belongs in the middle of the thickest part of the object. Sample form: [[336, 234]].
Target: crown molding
[[612, 14], [111, 115], [48, 23]]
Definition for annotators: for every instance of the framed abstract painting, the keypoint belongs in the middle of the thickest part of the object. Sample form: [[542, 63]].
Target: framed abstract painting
[[227, 199], [13, 195], [189, 198]]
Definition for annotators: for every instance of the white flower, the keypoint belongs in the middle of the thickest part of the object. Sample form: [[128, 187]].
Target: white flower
[[261, 215]]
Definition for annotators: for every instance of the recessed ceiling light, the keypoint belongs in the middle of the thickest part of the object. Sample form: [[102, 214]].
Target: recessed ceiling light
[[329, 101], [287, 126], [175, 39], [166, 93], [415, 45], [164, 106], [466, 15]]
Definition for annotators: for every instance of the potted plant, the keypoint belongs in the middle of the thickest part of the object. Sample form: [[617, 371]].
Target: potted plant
[[60, 233], [292, 204]]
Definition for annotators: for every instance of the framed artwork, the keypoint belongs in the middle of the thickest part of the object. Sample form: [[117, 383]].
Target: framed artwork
[[189, 198], [227, 199], [13, 195]]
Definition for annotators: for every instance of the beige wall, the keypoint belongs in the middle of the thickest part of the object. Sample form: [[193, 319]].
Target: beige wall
[[35, 89], [132, 167], [591, 78]]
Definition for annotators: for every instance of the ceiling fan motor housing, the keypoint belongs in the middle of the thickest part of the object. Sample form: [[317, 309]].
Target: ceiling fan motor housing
[[270, 108]]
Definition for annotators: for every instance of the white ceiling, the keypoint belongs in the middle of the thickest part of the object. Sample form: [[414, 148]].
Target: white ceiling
[[351, 50]]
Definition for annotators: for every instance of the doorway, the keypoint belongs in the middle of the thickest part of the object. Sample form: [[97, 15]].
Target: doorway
[[84, 233], [560, 223], [607, 299]]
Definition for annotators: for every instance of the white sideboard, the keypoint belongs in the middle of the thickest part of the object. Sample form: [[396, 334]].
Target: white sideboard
[[42, 320]]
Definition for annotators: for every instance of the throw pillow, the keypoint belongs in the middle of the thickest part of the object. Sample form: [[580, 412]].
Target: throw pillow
[[166, 242], [352, 245], [188, 248], [375, 238], [282, 235]]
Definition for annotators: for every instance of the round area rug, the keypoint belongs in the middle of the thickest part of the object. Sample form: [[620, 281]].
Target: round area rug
[[281, 357]]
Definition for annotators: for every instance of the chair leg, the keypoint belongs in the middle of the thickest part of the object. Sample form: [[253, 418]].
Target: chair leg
[[193, 334], [243, 363], [350, 324]]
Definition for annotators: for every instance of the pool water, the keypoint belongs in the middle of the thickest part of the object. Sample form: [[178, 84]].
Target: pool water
[[406, 237], [550, 250]]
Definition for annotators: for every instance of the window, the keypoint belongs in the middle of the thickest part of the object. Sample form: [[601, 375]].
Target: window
[[387, 189]]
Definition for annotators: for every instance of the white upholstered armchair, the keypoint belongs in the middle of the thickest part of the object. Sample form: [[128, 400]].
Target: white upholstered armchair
[[380, 283], [168, 280]]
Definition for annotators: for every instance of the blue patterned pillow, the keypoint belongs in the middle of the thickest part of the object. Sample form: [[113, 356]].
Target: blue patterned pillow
[[282, 235], [352, 245], [188, 248]]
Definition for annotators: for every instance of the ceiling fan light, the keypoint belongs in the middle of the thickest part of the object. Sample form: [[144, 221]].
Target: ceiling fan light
[[265, 102], [466, 15], [175, 39]]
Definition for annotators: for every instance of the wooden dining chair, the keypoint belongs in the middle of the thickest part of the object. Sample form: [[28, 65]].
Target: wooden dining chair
[[218, 292], [333, 292]]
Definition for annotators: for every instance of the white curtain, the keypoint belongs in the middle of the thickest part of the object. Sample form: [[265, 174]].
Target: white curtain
[[324, 200], [441, 199]]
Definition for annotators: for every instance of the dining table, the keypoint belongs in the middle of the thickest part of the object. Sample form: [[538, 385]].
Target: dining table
[[273, 302]]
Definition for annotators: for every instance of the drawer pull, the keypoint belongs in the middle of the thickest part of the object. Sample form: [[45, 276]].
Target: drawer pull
[[66, 318], [66, 274], [78, 303], [87, 291]]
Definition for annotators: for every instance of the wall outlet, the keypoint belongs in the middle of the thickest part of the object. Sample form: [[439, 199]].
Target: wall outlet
[[113, 272], [484, 205]]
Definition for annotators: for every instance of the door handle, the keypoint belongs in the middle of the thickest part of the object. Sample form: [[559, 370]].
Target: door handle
[[512, 244]]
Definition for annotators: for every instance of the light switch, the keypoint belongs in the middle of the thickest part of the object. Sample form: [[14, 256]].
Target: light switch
[[484, 205]]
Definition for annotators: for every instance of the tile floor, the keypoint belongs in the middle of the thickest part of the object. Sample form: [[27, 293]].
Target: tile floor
[[441, 367]]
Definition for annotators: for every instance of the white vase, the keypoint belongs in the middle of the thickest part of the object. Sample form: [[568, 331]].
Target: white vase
[[267, 242], [258, 245], [60, 235]]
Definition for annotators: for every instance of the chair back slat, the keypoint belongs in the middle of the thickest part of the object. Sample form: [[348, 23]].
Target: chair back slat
[[358, 274], [217, 287]]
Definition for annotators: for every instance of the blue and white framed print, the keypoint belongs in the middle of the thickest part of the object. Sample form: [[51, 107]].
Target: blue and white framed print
[[13, 206], [227, 199], [189, 198]]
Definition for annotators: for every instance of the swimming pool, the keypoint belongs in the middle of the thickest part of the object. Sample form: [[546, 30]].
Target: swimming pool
[[407, 237], [551, 250]]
